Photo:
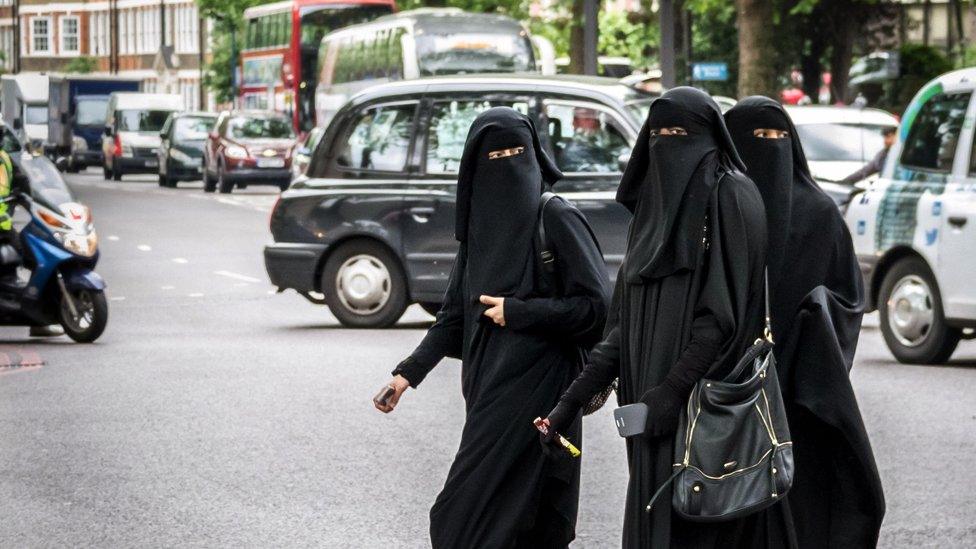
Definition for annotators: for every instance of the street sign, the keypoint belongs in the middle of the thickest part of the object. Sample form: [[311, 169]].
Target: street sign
[[714, 71]]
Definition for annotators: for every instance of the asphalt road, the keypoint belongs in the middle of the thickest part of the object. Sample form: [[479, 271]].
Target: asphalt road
[[215, 413]]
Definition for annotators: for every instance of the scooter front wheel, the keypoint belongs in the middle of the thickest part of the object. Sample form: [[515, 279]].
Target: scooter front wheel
[[85, 316]]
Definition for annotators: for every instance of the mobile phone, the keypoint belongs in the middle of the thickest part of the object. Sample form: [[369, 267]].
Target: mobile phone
[[631, 419], [573, 450], [384, 396]]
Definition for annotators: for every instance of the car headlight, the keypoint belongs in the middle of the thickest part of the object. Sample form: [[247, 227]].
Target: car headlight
[[181, 156], [235, 151], [126, 150], [78, 144]]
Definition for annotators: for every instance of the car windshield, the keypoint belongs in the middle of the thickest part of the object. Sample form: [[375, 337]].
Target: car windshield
[[840, 142], [35, 114], [192, 128], [91, 112], [141, 120], [244, 127], [473, 52]]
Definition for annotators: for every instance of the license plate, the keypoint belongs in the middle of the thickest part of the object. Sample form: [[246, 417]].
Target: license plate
[[152, 163], [271, 163]]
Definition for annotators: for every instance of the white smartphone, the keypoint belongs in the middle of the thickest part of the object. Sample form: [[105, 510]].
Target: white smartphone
[[631, 419]]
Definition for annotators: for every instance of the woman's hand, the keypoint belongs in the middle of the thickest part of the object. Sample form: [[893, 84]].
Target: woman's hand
[[496, 308], [399, 385]]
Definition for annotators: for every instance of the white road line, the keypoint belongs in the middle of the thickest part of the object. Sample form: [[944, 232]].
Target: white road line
[[197, 294], [180, 260], [117, 298], [237, 276], [167, 287], [113, 238], [144, 248]]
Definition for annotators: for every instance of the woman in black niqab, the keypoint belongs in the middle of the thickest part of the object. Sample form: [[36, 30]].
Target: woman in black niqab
[[817, 300], [519, 345], [687, 303]]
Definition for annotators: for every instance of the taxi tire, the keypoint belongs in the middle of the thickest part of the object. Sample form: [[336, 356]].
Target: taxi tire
[[223, 185], [941, 339], [395, 305]]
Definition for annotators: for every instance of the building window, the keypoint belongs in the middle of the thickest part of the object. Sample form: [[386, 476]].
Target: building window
[[70, 41], [41, 35]]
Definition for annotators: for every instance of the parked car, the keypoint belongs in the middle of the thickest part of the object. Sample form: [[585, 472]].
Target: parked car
[[370, 229], [914, 228], [132, 125], [303, 152], [248, 148], [181, 147], [837, 141]]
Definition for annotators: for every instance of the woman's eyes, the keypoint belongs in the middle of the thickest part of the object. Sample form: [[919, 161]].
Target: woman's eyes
[[676, 130], [768, 133]]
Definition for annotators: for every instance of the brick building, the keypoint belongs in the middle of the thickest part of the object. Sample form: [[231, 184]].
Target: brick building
[[158, 41]]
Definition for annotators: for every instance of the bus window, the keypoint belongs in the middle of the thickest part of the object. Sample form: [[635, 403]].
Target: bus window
[[452, 53]]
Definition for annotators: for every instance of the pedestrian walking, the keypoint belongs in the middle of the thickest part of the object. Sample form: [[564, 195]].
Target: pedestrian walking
[[817, 300], [521, 337], [688, 300]]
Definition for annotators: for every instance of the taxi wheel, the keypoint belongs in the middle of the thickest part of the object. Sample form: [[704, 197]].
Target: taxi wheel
[[223, 185], [912, 319], [364, 285]]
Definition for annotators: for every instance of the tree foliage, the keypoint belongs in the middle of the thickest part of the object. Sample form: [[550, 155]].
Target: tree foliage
[[81, 65]]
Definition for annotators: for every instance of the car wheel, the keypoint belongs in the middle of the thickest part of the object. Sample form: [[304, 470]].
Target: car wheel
[[162, 181], [209, 183], [223, 184], [430, 308], [912, 319], [364, 285]]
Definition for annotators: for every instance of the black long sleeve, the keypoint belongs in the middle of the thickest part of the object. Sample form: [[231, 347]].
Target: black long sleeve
[[580, 311], [446, 336]]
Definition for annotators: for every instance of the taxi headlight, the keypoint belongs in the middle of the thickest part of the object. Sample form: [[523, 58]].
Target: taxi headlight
[[126, 150]]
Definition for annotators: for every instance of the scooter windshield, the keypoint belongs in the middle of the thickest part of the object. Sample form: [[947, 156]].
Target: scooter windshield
[[46, 186]]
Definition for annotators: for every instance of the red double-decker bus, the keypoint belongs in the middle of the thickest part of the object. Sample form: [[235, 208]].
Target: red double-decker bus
[[280, 53]]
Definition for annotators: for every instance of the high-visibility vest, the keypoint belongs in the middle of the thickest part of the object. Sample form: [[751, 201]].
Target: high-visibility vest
[[6, 182]]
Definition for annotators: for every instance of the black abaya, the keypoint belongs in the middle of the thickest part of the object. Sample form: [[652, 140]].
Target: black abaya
[[688, 303], [817, 300], [502, 490]]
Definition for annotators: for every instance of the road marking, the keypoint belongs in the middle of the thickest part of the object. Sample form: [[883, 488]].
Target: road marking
[[167, 287], [237, 276], [180, 260], [14, 360], [196, 294], [117, 298], [113, 238], [144, 247]]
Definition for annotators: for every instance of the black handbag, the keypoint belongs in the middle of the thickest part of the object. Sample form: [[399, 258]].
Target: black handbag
[[547, 260], [732, 452]]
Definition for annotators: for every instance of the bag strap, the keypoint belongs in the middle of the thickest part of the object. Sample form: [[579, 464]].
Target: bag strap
[[768, 331], [660, 490], [545, 252]]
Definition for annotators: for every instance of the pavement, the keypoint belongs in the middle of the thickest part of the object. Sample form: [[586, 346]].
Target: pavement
[[214, 412]]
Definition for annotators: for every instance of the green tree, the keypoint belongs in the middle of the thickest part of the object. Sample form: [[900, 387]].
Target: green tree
[[81, 65]]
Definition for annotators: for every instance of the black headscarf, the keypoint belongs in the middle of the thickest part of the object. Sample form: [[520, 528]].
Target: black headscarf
[[498, 201], [668, 182]]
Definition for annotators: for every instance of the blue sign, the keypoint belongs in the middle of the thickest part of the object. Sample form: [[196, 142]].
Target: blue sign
[[718, 72]]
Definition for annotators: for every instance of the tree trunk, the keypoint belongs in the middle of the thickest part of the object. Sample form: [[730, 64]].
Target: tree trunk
[[576, 46], [811, 66], [840, 57], [757, 51]]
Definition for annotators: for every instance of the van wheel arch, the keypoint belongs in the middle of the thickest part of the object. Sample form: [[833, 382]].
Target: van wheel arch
[[887, 261]]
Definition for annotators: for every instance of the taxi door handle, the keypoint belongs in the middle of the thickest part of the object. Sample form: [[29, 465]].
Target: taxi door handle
[[958, 221], [421, 214]]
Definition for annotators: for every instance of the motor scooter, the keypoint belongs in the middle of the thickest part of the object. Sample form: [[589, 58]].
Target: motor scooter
[[59, 247]]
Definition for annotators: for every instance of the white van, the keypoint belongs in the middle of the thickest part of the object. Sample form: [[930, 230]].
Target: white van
[[914, 228], [415, 43], [132, 125]]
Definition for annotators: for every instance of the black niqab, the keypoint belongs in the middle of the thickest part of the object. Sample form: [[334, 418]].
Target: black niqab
[[668, 182], [498, 201], [817, 300]]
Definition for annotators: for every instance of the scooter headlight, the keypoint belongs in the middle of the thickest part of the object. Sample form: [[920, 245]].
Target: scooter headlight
[[84, 245]]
